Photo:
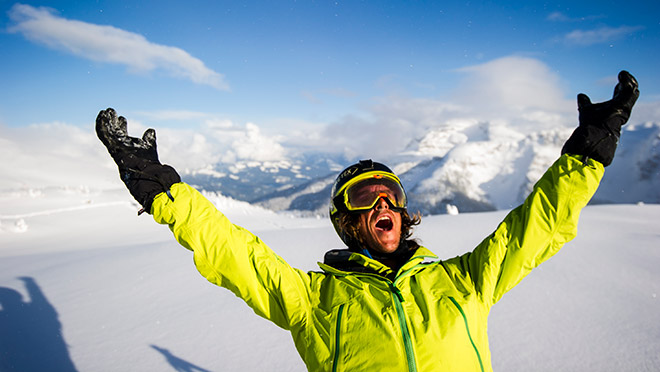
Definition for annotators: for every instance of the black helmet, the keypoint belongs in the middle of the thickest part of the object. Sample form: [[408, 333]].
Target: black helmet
[[365, 172]]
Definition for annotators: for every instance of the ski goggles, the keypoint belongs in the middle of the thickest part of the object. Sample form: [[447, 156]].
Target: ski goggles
[[364, 191]]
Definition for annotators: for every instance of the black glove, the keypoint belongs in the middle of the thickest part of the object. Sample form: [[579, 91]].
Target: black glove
[[600, 124], [137, 159]]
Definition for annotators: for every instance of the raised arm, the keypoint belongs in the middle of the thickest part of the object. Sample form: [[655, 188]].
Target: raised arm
[[536, 230], [232, 257], [226, 254]]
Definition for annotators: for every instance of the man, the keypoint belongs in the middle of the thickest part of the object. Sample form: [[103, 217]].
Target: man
[[383, 304]]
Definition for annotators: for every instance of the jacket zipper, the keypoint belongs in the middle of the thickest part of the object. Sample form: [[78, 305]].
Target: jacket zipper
[[405, 332], [467, 328], [398, 299], [335, 360], [407, 343]]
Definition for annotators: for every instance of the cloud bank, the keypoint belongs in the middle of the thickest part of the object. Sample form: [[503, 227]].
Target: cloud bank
[[517, 92], [54, 154], [517, 95], [109, 44]]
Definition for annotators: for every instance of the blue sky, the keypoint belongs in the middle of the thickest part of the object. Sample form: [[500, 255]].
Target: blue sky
[[323, 66]]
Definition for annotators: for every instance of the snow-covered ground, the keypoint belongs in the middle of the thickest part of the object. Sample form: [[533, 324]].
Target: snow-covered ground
[[87, 285]]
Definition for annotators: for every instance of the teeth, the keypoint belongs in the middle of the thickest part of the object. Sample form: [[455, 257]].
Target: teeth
[[384, 223]]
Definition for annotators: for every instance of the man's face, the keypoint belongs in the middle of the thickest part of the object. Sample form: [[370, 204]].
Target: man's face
[[381, 227]]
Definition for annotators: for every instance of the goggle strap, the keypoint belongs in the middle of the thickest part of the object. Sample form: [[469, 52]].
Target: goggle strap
[[338, 202]]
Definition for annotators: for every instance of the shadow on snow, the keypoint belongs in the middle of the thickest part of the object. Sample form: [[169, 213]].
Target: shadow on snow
[[31, 333], [177, 363]]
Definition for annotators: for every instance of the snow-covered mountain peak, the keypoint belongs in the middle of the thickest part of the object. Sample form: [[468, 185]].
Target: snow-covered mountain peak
[[464, 165]]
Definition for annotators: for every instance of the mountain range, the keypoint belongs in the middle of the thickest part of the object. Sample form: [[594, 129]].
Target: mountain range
[[463, 167]]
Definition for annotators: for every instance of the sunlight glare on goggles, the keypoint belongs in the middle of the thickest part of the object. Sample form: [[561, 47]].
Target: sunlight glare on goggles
[[364, 194]]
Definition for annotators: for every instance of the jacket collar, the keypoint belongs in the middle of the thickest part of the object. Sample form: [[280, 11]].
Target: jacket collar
[[344, 262]]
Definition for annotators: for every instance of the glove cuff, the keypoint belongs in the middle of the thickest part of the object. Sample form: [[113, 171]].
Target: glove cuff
[[593, 142], [145, 183]]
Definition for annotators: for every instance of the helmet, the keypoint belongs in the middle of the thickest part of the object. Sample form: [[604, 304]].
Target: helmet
[[359, 187]]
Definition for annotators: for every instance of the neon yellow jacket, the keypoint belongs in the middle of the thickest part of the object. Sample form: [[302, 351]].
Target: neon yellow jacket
[[431, 317]]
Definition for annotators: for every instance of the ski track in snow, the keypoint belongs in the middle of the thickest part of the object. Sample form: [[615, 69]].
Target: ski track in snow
[[63, 210]]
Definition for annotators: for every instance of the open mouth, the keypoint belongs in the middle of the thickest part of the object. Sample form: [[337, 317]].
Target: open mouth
[[384, 223]]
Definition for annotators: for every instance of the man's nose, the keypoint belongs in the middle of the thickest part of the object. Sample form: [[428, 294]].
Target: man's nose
[[382, 203]]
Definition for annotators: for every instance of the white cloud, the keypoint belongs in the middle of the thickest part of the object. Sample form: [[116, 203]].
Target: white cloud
[[63, 155], [109, 44], [54, 154], [600, 35], [218, 140], [253, 145], [510, 85], [558, 17], [561, 17], [188, 149], [521, 93]]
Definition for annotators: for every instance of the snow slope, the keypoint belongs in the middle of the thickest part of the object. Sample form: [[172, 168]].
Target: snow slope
[[87, 285]]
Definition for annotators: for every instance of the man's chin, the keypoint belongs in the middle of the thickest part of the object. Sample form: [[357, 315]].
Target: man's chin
[[386, 246]]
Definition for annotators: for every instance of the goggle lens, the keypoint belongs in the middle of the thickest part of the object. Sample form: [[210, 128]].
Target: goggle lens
[[365, 194]]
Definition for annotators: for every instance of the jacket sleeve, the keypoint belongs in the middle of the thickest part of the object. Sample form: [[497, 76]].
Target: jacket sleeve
[[534, 231], [232, 257]]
